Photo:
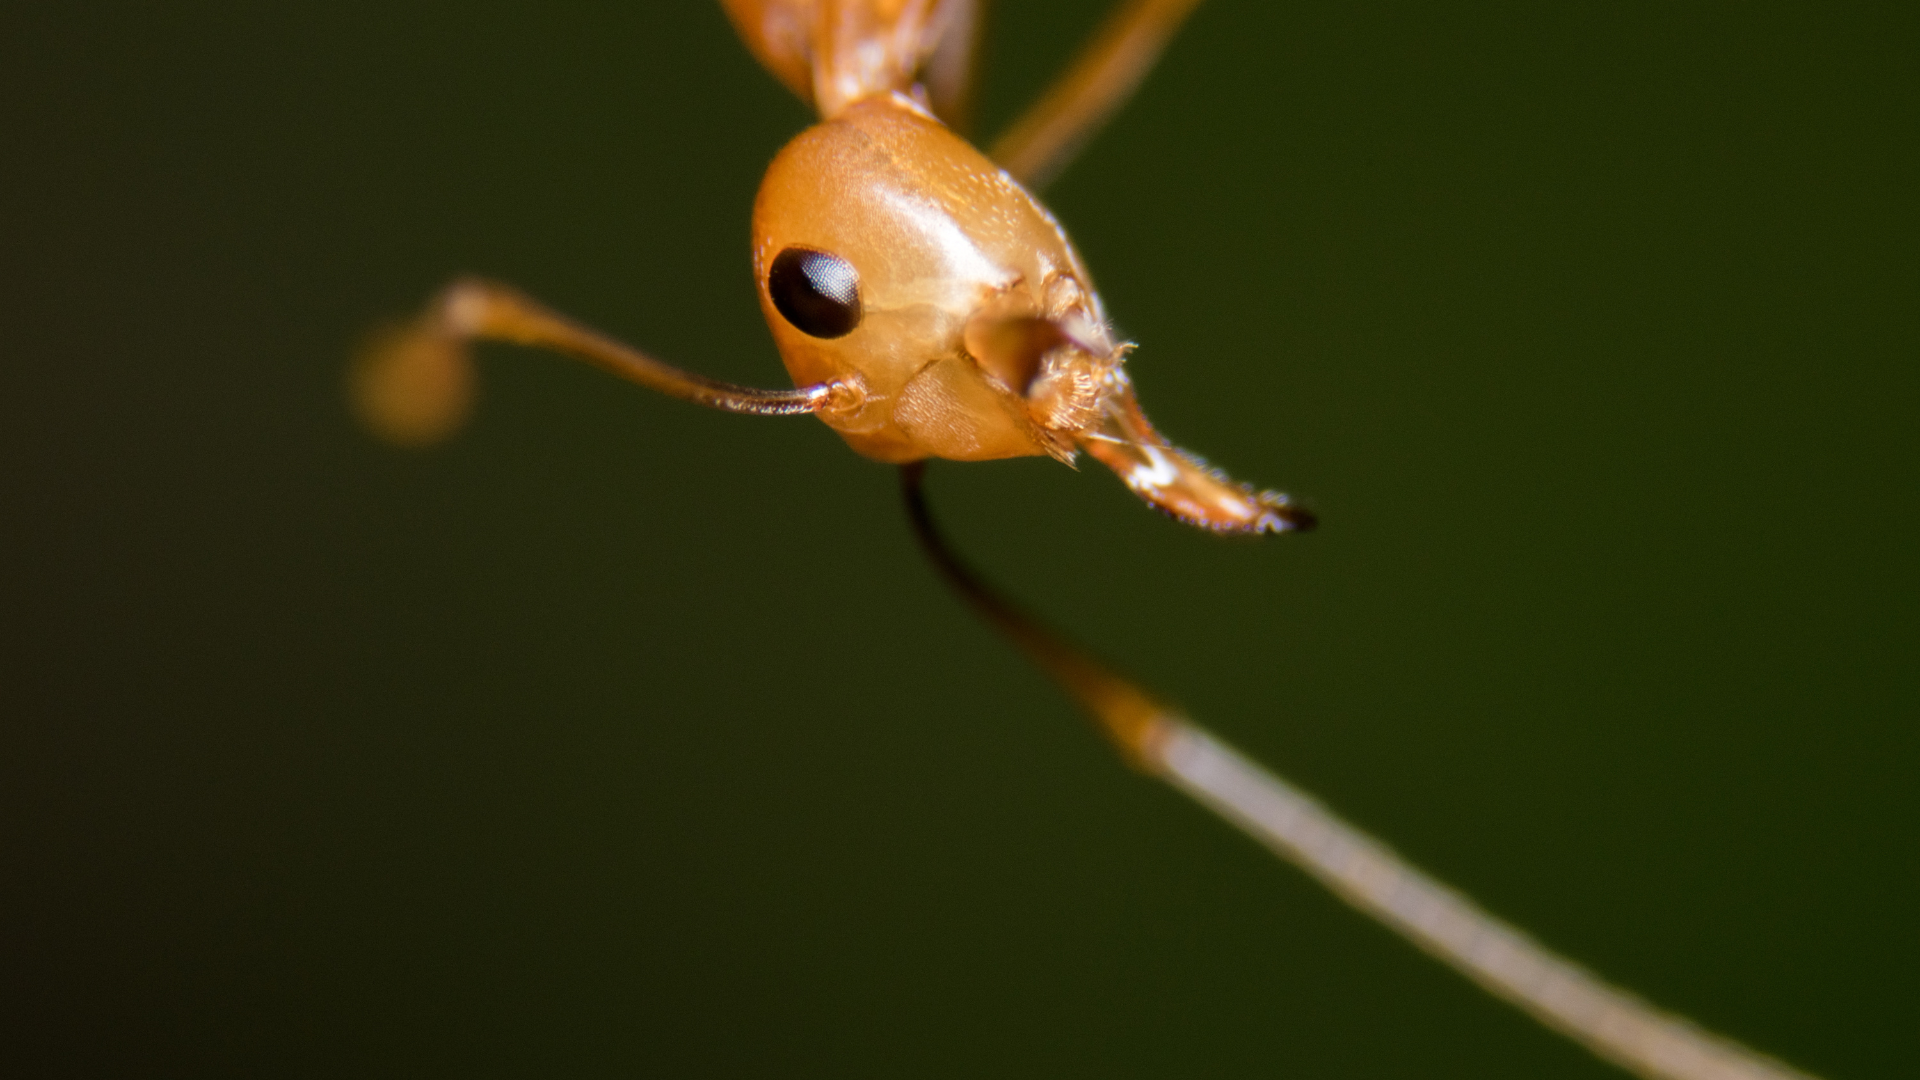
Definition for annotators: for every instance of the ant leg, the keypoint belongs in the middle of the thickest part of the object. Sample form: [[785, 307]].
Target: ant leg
[[1126, 714], [414, 383], [952, 69], [1646, 1041], [1041, 143]]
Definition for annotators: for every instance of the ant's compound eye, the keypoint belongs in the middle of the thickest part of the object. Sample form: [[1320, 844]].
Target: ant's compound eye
[[817, 292]]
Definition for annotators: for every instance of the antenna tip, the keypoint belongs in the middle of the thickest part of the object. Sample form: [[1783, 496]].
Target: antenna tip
[[411, 385]]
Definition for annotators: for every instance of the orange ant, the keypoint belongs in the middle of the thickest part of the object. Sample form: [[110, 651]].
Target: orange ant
[[926, 305]]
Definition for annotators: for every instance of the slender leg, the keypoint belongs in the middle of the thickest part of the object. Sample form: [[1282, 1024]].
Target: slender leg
[[1361, 870], [413, 384], [952, 70], [1041, 143], [1128, 715]]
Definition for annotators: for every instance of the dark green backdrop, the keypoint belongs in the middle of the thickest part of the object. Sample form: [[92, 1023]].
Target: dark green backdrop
[[619, 738]]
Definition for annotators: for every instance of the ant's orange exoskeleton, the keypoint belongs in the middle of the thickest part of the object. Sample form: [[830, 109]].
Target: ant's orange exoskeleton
[[926, 305]]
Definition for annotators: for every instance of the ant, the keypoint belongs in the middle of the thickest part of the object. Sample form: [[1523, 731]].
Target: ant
[[927, 305]]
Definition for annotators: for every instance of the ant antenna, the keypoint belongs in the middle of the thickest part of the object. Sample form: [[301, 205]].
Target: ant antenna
[[1366, 873]]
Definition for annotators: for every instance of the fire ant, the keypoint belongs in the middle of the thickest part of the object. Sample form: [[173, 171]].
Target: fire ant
[[927, 305]]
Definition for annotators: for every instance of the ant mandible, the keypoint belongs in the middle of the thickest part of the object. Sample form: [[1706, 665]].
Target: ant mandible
[[926, 306]]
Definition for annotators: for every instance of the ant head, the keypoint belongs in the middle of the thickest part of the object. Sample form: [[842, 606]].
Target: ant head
[[891, 252]]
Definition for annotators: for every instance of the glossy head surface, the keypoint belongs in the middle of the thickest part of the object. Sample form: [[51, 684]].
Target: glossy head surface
[[889, 250]]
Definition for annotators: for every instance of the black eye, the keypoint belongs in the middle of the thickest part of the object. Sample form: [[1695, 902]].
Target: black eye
[[817, 292]]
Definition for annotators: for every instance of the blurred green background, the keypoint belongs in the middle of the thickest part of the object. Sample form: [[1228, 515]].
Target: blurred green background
[[622, 738]]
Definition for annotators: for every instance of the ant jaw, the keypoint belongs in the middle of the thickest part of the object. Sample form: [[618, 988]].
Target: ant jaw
[[1293, 518], [1012, 348], [1060, 377], [1180, 484]]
